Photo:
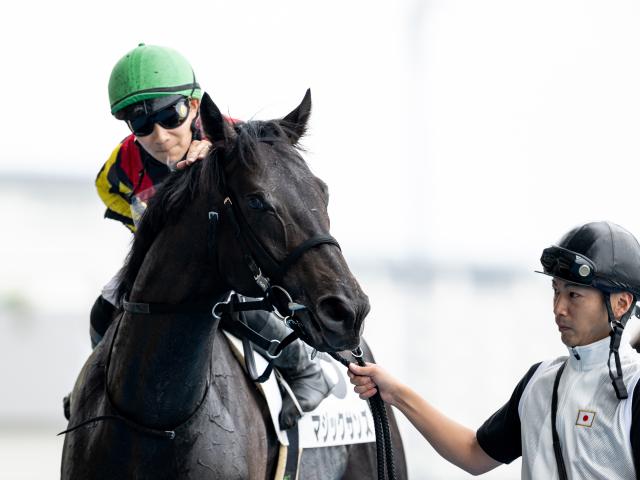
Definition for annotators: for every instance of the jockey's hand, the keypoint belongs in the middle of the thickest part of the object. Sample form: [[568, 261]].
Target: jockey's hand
[[198, 150], [368, 380]]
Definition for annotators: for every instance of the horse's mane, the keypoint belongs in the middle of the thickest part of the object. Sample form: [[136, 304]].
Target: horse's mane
[[180, 188]]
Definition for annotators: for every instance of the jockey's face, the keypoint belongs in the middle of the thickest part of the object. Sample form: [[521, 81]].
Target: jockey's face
[[580, 313], [169, 146]]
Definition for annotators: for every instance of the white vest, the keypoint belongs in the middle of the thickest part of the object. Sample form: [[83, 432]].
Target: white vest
[[593, 425]]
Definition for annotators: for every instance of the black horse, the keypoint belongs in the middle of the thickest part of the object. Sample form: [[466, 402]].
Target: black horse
[[163, 396]]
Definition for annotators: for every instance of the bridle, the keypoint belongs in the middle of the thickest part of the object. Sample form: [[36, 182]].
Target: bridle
[[264, 268], [267, 272], [275, 297]]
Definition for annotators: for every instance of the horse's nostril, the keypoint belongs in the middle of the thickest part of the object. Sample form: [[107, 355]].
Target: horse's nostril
[[336, 309]]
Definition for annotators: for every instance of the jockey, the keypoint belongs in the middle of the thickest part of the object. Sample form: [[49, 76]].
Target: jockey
[[154, 90]]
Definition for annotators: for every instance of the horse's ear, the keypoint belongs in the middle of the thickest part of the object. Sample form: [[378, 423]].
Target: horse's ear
[[295, 124], [214, 124]]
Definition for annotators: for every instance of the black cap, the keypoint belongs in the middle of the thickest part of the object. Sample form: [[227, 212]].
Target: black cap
[[607, 248]]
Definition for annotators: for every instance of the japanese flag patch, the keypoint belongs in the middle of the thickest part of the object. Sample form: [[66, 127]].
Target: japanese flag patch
[[585, 418]]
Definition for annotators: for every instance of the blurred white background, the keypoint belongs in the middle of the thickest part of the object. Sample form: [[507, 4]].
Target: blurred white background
[[458, 138]]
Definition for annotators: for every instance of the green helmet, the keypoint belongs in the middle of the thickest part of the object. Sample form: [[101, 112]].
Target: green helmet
[[150, 72]]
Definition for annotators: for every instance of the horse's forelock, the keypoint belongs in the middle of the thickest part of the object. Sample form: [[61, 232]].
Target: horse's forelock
[[250, 134]]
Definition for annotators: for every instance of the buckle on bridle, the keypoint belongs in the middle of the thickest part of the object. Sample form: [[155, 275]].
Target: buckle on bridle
[[273, 348], [261, 280], [292, 306], [224, 302]]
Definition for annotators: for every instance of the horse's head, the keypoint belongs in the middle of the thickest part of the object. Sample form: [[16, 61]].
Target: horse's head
[[274, 204]]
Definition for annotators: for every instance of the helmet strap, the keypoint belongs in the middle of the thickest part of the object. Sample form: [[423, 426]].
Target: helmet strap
[[196, 134], [196, 131], [617, 328]]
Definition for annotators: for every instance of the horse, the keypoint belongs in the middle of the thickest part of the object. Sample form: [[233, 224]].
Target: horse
[[163, 395]]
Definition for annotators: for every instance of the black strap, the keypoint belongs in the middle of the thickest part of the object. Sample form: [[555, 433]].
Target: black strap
[[562, 471], [252, 246], [301, 250], [250, 363], [237, 306], [617, 379], [237, 326], [617, 327], [140, 308], [240, 329], [293, 452], [214, 217], [168, 434], [384, 448]]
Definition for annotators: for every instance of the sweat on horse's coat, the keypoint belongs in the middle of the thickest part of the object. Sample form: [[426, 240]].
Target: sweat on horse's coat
[[176, 372]]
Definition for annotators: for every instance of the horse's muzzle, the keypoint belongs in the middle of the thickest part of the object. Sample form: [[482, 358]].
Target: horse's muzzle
[[336, 323]]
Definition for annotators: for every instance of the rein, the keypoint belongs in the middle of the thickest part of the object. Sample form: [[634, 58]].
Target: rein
[[168, 434], [384, 448]]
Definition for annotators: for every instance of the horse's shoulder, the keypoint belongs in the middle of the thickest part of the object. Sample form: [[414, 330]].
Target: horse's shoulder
[[228, 371], [89, 389]]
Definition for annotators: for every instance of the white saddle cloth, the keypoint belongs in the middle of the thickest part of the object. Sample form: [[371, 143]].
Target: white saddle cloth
[[341, 419]]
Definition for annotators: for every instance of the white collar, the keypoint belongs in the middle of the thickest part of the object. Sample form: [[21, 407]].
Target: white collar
[[587, 357]]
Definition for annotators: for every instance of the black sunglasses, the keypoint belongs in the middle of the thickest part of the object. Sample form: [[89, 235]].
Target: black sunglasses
[[169, 117], [568, 265]]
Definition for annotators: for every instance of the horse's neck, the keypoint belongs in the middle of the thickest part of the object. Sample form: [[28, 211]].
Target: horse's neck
[[159, 366]]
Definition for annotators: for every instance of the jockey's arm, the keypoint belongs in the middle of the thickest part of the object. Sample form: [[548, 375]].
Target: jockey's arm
[[454, 442]]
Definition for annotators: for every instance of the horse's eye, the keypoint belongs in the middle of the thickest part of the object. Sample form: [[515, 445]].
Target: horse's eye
[[256, 203]]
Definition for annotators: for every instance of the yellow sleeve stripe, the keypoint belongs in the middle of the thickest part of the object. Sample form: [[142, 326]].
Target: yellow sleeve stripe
[[111, 195]]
